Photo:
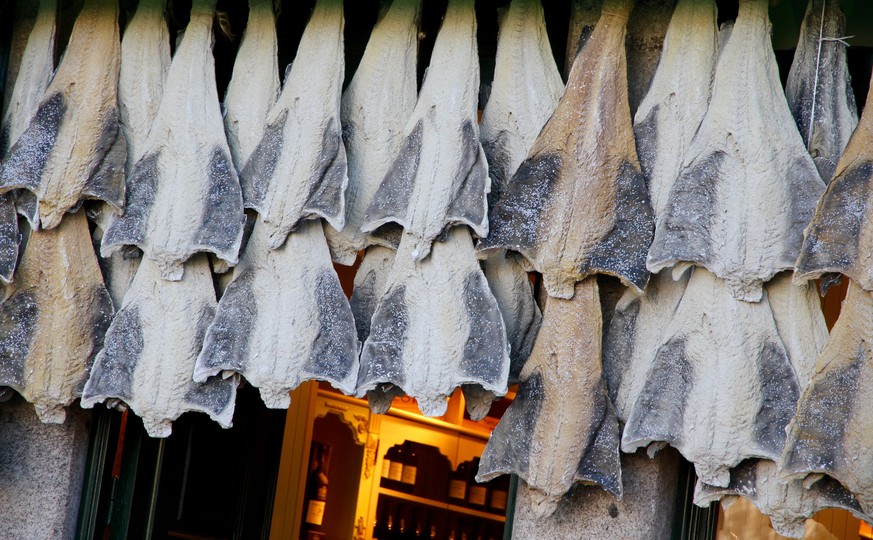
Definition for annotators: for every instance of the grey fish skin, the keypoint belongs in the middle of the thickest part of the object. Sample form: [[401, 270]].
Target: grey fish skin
[[184, 196], [54, 317], [839, 237], [720, 213], [73, 148], [830, 433], [439, 178], [560, 428], [788, 503], [283, 320], [437, 327], [819, 88], [585, 152], [721, 388], [150, 349], [298, 170], [375, 108], [370, 281]]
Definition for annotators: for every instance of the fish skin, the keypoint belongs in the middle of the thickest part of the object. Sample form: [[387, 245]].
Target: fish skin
[[586, 151], [150, 349], [283, 320], [54, 317], [298, 170], [370, 281], [720, 213], [373, 120], [721, 387], [838, 238], [439, 178], [551, 436], [436, 327], [73, 148], [819, 87], [829, 433], [168, 219]]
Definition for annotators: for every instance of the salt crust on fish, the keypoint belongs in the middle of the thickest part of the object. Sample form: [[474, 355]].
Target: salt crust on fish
[[439, 178], [370, 280], [375, 108], [73, 148], [579, 204], [747, 186], [819, 88], [150, 349], [284, 319], [298, 170], [183, 194], [561, 427], [721, 387], [53, 318], [436, 327]]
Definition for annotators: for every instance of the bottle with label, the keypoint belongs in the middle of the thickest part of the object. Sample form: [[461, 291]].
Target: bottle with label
[[499, 494], [458, 485], [395, 467], [477, 494], [386, 465], [315, 500], [410, 467]]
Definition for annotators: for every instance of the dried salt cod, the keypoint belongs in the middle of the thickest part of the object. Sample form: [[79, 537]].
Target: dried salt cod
[[830, 433], [436, 327], [54, 317], [298, 170], [370, 281], [787, 502], [184, 196], [150, 349], [145, 61], [254, 86], [73, 148], [819, 88], [375, 108], [671, 111], [721, 387], [119, 268], [839, 237], [561, 427], [284, 319], [721, 212], [635, 333], [586, 151], [439, 178]]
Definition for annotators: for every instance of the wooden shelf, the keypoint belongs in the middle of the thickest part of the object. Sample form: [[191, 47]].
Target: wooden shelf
[[438, 504]]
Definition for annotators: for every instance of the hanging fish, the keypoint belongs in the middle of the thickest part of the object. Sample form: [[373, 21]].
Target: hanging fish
[[370, 281], [73, 149], [254, 86], [436, 327], [585, 152], [678, 97], [838, 238], [721, 387], [788, 503], [298, 170], [819, 88], [560, 428], [747, 185], [184, 194], [830, 432], [439, 178], [53, 318], [375, 108], [119, 268], [284, 319], [150, 349]]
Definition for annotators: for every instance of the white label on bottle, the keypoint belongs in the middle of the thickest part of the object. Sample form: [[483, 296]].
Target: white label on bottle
[[498, 500], [458, 489], [315, 512], [386, 467], [395, 471], [409, 474], [477, 495]]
